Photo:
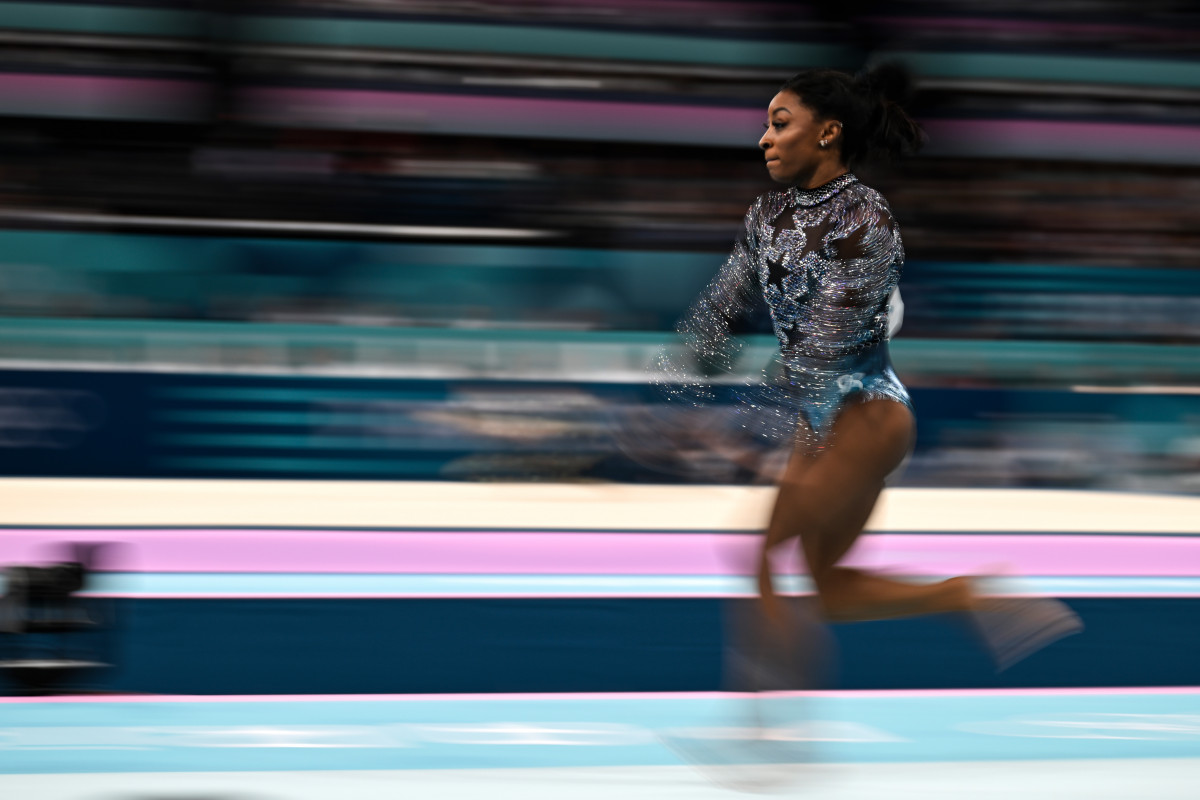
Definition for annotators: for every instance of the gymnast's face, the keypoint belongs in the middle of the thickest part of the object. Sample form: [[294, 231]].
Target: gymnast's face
[[791, 143]]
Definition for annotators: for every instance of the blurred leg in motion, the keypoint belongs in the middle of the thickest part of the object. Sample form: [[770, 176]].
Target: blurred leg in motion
[[781, 643], [825, 499]]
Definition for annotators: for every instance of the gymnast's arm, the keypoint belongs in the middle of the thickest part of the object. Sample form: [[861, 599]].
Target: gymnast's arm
[[866, 255], [706, 326]]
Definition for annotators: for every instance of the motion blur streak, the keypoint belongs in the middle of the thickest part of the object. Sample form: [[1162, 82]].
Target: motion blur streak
[[475, 223]]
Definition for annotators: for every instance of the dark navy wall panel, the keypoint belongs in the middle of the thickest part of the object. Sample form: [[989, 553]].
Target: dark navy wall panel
[[592, 645], [100, 424], [74, 423]]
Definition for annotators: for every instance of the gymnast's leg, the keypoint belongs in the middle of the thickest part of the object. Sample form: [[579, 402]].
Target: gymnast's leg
[[825, 499]]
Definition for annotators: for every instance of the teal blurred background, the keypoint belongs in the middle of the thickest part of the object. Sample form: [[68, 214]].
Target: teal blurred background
[[443, 240]]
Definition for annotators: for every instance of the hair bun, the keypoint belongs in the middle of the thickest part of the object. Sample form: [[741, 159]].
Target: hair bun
[[888, 81]]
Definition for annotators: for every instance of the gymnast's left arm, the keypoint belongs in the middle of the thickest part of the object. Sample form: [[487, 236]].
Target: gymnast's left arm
[[867, 256]]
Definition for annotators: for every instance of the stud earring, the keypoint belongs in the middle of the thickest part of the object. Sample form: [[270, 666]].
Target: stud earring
[[823, 143]]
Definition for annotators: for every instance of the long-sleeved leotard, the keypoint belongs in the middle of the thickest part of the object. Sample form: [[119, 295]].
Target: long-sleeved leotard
[[827, 262]]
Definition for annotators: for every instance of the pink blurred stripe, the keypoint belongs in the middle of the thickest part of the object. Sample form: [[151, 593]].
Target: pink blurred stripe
[[643, 8], [1063, 138], [417, 552], [472, 595], [506, 116], [591, 553], [1032, 554], [690, 124], [1025, 26], [32, 93]]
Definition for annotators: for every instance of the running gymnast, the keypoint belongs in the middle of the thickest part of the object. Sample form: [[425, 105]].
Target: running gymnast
[[825, 254]]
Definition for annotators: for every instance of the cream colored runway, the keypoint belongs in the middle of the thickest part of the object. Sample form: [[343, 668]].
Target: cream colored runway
[[580, 506]]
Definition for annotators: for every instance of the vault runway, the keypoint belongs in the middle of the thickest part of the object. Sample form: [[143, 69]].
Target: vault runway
[[1004, 744], [251, 585]]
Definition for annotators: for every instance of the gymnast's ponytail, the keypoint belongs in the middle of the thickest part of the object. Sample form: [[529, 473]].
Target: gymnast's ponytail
[[890, 131], [870, 106]]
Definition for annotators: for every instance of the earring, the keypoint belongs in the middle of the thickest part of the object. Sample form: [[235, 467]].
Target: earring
[[824, 143]]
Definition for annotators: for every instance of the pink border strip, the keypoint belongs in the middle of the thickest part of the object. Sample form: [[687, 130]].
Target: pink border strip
[[506, 116], [549, 595], [1067, 139], [528, 697], [470, 595], [157, 98], [579, 553], [591, 119]]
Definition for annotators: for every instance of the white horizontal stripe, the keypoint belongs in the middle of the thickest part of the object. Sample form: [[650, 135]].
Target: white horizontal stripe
[[1038, 779], [266, 226], [285, 585], [578, 506]]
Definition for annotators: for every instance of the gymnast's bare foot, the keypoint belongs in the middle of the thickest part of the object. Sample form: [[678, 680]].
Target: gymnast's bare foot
[[1013, 628]]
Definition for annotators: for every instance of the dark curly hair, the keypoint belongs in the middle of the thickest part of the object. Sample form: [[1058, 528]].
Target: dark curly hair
[[870, 107]]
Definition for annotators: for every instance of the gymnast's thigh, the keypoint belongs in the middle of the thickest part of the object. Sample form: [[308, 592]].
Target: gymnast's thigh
[[876, 434]]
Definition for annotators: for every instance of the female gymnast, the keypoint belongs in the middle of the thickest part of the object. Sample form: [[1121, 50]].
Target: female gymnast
[[825, 255]]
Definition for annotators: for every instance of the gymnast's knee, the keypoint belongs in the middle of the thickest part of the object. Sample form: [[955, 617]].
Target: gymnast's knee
[[838, 593]]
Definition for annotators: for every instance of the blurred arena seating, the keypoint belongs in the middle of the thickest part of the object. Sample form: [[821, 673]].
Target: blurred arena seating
[[533, 191]]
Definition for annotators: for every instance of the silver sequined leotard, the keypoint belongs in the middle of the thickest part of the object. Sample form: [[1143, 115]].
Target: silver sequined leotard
[[826, 261]]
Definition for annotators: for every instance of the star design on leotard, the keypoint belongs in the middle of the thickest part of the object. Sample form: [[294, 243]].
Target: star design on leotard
[[784, 276]]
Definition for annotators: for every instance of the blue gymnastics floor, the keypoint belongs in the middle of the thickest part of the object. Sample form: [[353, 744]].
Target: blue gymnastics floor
[[1024, 744]]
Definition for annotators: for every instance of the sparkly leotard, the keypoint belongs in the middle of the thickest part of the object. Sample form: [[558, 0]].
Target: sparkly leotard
[[826, 261]]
